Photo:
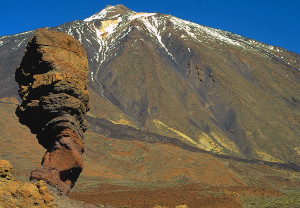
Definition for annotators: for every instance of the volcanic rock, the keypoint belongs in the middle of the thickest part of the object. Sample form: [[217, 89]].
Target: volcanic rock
[[5, 170], [53, 79], [14, 193]]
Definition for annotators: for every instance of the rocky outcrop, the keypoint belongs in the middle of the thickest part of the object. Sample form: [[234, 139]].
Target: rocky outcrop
[[14, 193], [6, 171], [53, 79]]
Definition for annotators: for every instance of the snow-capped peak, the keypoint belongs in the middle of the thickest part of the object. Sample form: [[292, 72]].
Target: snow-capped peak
[[109, 12], [99, 15]]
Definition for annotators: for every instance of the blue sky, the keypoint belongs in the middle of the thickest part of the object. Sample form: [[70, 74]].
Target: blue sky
[[276, 22]]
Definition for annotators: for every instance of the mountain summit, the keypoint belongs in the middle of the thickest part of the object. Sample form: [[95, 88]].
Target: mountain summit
[[175, 89], [110, 12]]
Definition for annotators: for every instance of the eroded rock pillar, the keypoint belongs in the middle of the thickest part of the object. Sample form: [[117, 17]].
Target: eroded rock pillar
[[53, 79]]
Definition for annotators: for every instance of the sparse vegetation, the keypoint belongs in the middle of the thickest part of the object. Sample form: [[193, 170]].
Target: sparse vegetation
[[290, 199]]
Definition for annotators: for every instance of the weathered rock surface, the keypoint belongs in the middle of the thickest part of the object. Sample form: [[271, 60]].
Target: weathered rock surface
[[6, 170], [14, 193], [53, 79]]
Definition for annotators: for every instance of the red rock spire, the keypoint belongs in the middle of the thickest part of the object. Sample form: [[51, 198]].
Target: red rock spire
[[53, 79]]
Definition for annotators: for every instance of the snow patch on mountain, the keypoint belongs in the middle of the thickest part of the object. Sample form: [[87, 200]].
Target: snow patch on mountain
[[185, 26], [108, 27], [108, 43], [194, 30], [23, 33], [79, 35], [153, 30], [92, 76], [102, 46], [217, 34], [141, 14], [99, 15], [23, 41]]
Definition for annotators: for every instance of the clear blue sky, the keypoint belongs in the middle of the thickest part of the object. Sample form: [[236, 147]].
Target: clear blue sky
[[276, 22]]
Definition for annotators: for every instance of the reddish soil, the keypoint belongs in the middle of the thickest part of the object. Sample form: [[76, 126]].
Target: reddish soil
[[191, 195]]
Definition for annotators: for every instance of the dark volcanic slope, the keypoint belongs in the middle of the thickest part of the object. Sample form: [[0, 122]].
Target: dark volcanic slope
[[207, 88]]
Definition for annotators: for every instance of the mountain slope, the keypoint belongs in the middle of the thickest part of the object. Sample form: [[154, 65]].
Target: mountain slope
[[207, 88]]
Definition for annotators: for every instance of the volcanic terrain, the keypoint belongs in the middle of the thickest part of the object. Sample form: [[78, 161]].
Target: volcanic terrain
[[180, 114]]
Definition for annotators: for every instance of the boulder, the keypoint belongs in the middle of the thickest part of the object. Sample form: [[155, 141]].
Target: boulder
[[14, 193]]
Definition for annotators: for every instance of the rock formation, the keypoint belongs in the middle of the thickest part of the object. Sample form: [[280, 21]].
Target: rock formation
[[14, 193], [53, 79]]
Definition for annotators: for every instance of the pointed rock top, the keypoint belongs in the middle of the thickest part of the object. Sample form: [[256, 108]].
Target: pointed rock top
[[109, 11], [120, 7]]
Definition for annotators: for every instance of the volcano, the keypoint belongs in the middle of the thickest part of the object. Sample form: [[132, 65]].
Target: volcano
[[172, 103]]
